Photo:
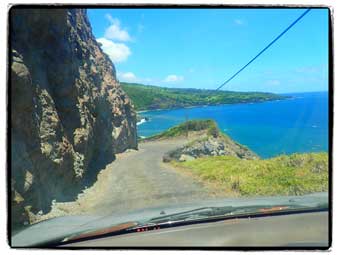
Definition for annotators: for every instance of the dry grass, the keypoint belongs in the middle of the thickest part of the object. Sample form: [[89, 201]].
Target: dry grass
[[295, 174]]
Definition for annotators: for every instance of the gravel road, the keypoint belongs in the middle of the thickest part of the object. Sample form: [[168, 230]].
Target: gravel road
[[135, 180]]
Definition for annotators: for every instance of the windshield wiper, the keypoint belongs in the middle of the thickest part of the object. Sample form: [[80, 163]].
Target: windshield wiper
[[199, 212], [215, 212]]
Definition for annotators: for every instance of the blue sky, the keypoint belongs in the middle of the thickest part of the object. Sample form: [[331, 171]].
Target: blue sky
[[201, 48]]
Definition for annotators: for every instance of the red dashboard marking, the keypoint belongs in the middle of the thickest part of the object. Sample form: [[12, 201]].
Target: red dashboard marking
[[104, 231], [273, 209]]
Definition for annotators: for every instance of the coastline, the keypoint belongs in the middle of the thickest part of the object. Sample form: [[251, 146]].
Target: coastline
[[143, 119], [265, 120], [287, 96], [207, 105]]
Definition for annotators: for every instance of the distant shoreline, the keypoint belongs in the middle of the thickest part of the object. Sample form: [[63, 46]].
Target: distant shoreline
[[146, 98], [289, 96], [207, 105], [143, 120]]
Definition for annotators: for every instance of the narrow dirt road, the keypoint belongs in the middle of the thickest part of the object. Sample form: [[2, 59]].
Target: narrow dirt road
[[135, 180]]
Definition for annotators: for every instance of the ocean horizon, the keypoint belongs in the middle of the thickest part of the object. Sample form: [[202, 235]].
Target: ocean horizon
[[295, 125]]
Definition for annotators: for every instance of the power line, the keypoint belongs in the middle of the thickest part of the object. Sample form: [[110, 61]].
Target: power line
[[270, 44]]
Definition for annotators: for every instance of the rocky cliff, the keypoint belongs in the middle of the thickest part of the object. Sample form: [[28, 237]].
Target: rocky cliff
[[220, 145], [69, 115], [206, 140]]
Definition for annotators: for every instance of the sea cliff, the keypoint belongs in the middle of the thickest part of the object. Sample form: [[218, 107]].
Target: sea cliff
[[69, 115]]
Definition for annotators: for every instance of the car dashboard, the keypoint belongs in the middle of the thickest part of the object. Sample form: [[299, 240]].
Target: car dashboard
[[293, 230]]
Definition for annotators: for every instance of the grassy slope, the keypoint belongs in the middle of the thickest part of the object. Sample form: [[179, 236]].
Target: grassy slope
[[283, 175], [147, 97], [191, 125]]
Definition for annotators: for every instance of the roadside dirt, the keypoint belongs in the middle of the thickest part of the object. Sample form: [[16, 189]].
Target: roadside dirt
[[136, 180]]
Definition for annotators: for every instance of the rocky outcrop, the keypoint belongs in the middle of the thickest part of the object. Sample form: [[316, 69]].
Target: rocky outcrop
[[219, 145], [69, 115]]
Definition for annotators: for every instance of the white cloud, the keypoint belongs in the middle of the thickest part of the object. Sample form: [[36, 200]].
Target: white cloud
[[118, 52], [131, 77], [273, 82], [109, 18], [239, 22], [115, 32], [173, 78], [128, 76]]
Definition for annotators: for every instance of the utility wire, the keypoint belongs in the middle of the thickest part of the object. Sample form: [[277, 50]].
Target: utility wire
[[270, 44]]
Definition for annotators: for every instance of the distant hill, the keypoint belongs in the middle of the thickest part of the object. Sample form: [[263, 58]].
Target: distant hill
[[147, 97], [189, 126]]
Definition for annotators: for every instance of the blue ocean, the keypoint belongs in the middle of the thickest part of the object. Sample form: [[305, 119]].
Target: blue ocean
[[298, 124]]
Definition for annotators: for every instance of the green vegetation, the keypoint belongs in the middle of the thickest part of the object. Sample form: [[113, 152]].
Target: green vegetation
[[188, 126], [145, 97], [294, 174]]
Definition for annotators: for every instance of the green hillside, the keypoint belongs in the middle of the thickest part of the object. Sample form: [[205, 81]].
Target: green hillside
[[188, 126], [147, 97]]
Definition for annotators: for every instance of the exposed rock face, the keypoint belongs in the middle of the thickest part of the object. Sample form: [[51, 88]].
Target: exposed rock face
[[69, 115], [209, 146]]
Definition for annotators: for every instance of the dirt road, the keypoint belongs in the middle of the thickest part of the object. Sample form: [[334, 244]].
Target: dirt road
[[135, 180]]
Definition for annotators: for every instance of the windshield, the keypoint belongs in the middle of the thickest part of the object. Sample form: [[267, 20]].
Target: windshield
[[156, 115]]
